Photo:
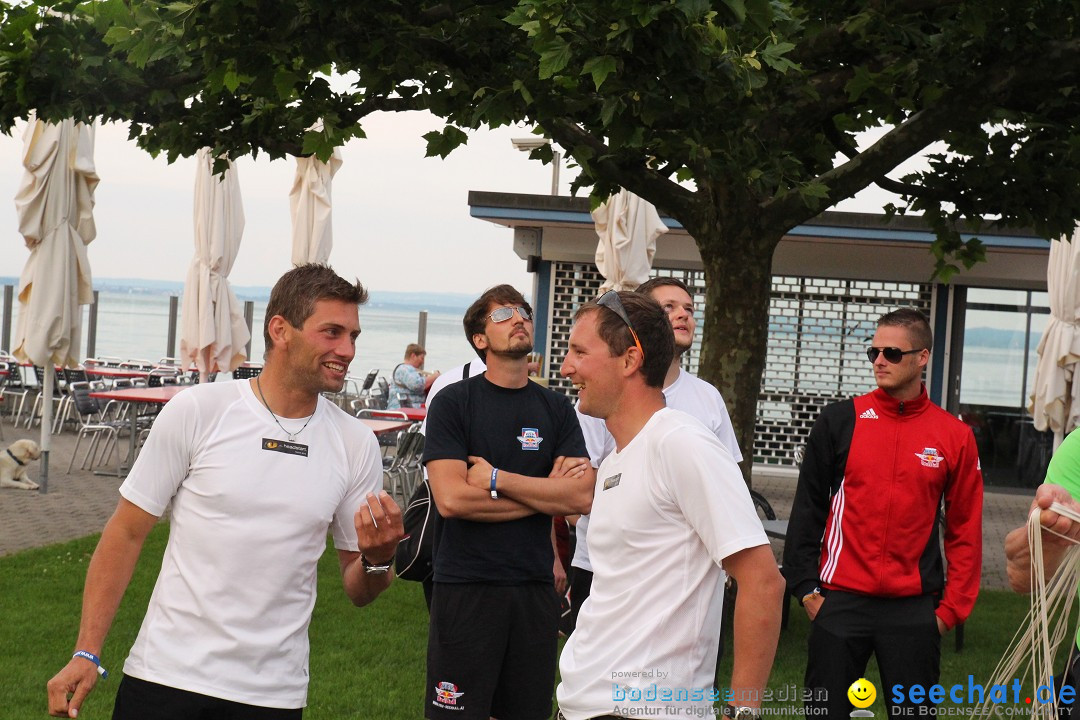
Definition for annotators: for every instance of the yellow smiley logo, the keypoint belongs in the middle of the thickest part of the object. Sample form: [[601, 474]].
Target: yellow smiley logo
[[862, 693]]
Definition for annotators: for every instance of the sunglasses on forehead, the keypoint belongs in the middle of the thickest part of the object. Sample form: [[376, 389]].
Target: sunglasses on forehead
[[892, 354], [611, 301], [505, 313]]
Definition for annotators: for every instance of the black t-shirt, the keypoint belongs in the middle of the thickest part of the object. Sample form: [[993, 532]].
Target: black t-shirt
[[520, 430]]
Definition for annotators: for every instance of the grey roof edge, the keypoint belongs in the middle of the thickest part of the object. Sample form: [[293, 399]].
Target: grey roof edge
[[518, 208]]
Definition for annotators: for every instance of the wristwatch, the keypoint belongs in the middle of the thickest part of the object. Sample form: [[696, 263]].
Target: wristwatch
[[372, 569], [812, 593], [740, 712]]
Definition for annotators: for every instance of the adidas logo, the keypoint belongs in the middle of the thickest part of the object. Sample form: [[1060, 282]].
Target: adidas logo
[[869, 415]]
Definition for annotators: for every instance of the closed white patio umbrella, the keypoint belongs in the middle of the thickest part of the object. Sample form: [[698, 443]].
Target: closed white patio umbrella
[[311, 209], [55, 207], [1055, 402], [213, 332], [627, 228]]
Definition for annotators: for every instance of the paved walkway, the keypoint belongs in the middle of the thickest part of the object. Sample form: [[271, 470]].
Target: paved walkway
[[80, 503]]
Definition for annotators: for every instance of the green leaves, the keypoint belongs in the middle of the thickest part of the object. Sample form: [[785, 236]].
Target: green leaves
[[599, 68], [443, 143], [554, 56]]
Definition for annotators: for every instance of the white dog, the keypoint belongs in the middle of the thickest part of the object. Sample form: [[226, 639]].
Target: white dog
[[13, 463]]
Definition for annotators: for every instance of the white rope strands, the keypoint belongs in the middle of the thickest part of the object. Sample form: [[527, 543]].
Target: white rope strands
[[1030, 656]]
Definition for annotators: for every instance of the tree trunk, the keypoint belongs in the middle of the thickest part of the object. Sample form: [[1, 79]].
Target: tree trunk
[[738, 283]]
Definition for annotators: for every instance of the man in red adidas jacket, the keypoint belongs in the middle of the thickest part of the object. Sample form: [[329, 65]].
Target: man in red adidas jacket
[[862, 551]]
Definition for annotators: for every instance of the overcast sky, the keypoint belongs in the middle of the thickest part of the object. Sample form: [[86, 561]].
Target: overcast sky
[[401, 221]]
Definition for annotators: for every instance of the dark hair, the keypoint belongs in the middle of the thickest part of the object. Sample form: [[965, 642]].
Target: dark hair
[[652, 328], [475, 319], [296, 292], [414, 349], [911, 319], [651, 284]]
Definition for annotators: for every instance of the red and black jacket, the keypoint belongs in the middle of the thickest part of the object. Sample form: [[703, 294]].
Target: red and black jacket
[[865, 516]]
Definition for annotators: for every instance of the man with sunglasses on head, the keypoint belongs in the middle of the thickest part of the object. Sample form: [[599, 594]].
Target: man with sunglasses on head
[[862, 550], [682, 391], [670, 516], [503, 456]]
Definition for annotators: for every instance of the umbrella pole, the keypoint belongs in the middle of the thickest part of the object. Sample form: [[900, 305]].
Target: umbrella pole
[[46, 423]]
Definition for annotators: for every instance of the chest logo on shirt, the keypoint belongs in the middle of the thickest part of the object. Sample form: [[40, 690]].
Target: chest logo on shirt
[[868, 415], [930, 457], [612, 481], [530, 439], [446, 693]]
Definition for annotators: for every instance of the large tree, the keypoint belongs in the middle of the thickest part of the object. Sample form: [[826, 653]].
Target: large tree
[[739, 118]]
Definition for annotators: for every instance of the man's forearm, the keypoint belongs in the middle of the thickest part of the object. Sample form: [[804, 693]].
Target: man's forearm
[[469, 503], [551, 496], [108, 576], [362, 587], [756, 631]]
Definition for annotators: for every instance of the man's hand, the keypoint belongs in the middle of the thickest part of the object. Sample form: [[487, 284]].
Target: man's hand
[[70, 686], [1054, 525], [813, 606], [479, 474], [941, 626], [569, 466], [379, 528], [560, 577], [1017, 551]]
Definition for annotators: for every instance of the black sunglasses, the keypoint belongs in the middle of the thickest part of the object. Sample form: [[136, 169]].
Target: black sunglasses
[[611, 301], [892, 354]]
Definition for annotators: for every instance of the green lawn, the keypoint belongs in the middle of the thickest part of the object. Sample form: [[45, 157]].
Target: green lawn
[[365, 663]]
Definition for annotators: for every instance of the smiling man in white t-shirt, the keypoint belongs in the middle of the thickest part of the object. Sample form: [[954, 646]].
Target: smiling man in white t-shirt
[[257, 471], [670, 515]]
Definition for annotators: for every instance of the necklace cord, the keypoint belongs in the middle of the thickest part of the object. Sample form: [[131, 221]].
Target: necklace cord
[[291, 436]]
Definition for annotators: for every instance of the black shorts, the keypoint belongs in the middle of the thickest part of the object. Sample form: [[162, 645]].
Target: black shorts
[[491, 652], [142, 700]]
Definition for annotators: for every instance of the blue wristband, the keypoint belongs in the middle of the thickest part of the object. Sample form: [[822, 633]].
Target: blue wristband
[[94, 659], [494, 492]]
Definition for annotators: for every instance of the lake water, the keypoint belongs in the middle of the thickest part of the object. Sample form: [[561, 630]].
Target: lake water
[[136, 326]]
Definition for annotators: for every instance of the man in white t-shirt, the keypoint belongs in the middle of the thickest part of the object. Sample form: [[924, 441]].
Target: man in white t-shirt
[[682, 391], [257, 472], [670, 515]]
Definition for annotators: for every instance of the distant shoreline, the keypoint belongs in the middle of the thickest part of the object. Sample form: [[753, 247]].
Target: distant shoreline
[[416, 301]]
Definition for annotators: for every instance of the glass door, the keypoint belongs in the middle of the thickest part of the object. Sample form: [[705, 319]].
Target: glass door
[[1000, 332]]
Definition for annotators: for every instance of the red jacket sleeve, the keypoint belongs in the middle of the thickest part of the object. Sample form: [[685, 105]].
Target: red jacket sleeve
[[963, 534]]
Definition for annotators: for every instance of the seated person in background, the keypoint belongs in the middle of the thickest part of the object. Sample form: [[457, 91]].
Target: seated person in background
[[410, 380]]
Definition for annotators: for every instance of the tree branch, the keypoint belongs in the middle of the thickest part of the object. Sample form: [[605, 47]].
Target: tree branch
[[669, 196], [1001, 83]]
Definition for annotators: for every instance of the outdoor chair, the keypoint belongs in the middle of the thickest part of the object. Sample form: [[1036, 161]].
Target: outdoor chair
[[94, 427], [13, 391], [399, 474], [377, 400], [64, 411], [387, 440], [193, 376], [246, 372], [158, 375], [57, 396]]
